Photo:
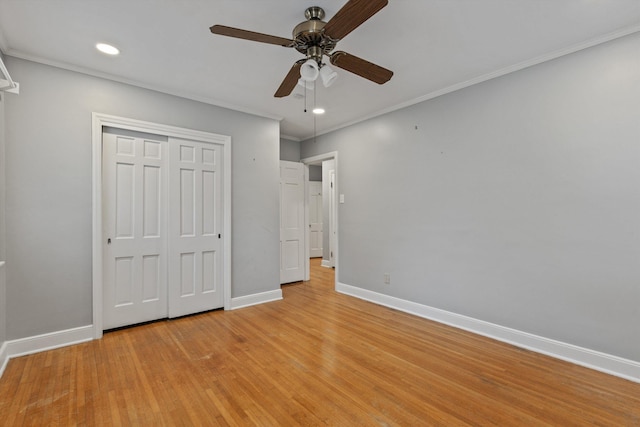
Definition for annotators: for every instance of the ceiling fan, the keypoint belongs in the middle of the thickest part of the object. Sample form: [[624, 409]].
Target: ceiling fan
[[315, 38]]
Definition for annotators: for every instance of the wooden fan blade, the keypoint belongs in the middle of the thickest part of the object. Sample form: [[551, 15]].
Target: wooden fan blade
[[366, 69], [250, 35], [290, 81], [353, 14]]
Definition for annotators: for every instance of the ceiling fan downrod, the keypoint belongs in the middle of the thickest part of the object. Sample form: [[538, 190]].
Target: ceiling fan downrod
[[315, 53]]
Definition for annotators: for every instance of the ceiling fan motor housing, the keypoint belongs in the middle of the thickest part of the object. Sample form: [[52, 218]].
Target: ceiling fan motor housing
[[309, 37]]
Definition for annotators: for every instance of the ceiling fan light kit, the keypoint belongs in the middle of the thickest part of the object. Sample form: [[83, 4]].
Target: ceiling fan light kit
[[309, 71], [307, 85], [327, 75], [315, 39]]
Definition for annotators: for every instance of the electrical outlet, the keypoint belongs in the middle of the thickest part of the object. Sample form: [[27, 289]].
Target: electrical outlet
[[387, 278]]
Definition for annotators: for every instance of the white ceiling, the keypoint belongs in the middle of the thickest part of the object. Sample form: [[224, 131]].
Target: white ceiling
[[433, 46]]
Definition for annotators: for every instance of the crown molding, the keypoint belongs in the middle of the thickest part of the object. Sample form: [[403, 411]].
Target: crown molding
[[157, 88], [489, 76]]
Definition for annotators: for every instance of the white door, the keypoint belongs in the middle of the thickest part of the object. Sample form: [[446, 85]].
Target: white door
[[161, 259], [315, 219], [292, 227], [134, 227], [195, 246]]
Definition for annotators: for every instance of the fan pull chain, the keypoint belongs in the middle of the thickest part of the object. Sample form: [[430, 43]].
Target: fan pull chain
[[305, 98]]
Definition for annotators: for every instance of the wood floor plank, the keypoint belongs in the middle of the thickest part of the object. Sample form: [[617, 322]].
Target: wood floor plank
[[315, 358]]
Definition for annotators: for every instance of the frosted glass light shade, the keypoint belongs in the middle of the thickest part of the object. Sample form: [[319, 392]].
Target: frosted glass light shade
[[306, 85], [309, 71], [328, 76]]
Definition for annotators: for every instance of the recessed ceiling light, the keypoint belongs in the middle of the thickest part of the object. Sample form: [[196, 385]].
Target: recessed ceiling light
[[107, 48], [318, 110]]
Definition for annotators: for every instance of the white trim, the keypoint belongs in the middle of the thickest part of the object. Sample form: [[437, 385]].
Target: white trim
[[4, 357], [307, 233], [99, 121], [333, 217], [289, 137], [319, 158], [44, 342], [254, 299], [592, 359], [226, 279], [332, 155], [207, 100], [7, 84], [154, 87]]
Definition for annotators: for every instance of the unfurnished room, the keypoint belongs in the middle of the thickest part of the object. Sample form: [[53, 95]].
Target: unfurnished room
[[334, 212]]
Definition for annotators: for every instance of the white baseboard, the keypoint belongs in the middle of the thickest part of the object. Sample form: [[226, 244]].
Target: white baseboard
[[253, 299], [35, 344], [599, 361], [4, 357], [326, 263]]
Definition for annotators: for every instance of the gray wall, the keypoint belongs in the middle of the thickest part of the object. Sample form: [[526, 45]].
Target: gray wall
[[3, 302], [2, 176], [289, 150], [315, 173], [515, 201], [48, 175]]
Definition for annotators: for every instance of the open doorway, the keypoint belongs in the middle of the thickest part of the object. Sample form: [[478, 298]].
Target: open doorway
[[321, 173], [315, 198]]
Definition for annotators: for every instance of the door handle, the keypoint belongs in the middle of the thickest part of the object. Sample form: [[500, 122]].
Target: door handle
[[109, 241]]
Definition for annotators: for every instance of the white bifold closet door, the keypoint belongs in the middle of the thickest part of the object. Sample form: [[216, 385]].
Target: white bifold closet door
[[135, 222], [195, 241], [162, 228]]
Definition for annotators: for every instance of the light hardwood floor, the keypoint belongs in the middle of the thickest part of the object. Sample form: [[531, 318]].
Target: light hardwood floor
[[315, 358]]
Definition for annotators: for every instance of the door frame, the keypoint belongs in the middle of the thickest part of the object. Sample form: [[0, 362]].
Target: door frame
[[333, 213], [333, 155], [98, 122]]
